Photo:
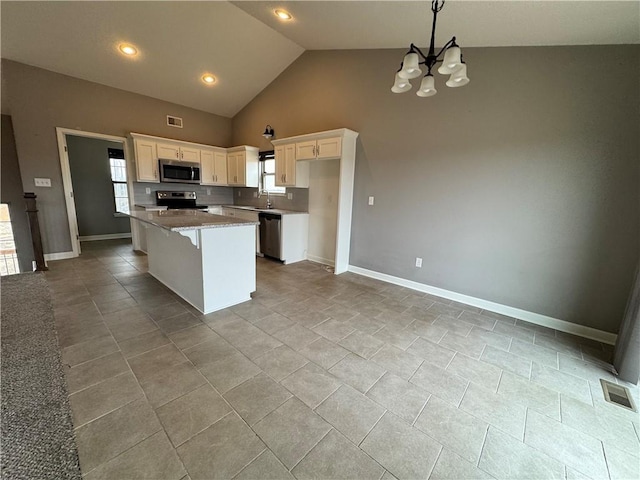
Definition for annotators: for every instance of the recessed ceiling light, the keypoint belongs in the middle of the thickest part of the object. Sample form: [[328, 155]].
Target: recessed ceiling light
[[283, 14], [208, 79], [128, 49]]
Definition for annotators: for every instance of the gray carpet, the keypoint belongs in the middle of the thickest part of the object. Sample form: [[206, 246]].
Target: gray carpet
[[37, 432]]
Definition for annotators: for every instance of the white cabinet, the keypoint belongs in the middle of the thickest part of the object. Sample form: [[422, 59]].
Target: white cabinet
[[190, 154], [237, 166], [290, 172], [213, 167], [322, 148], [294, 237], [242, 166], [146, 160], [285, 156], [170, 151], [245, 215]]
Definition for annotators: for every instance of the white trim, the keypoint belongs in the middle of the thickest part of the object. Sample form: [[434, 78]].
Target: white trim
[[323, 261], [107, 236], [531, 317], [59, 256], [67, 183]]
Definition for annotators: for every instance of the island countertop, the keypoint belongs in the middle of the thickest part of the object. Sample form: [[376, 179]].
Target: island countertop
[[179, 220]]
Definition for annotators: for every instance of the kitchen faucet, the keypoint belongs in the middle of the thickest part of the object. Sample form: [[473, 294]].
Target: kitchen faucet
[[268, 197]]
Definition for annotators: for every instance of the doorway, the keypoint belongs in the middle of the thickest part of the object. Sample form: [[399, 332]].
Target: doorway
[[96, 182]]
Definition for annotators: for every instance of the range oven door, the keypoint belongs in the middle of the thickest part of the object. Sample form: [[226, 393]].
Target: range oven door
[[179, 172]]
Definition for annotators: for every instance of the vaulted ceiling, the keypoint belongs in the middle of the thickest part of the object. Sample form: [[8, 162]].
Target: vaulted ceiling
[[246, 47]]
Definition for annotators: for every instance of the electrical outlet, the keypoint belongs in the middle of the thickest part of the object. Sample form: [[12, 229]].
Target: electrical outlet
[[418, 262], [290, 196], [147, 191], [208, 191], [42, 182], [370, 200], [255, 194], [239, 193]]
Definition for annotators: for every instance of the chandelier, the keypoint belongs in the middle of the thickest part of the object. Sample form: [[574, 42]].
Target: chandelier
[[452, 63]]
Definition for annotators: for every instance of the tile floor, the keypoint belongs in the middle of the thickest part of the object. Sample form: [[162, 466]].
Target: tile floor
[[321, 376]]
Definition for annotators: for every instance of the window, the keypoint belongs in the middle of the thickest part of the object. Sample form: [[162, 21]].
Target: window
[[268, 173], [118, 166], [8, 256]]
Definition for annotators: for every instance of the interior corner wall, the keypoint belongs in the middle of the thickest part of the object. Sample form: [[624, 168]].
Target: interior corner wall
[[522, 188], [39, 101]]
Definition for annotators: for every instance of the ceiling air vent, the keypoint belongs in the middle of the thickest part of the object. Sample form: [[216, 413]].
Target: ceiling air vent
[[174, 121]]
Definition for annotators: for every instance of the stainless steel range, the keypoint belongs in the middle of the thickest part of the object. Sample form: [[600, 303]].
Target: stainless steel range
[[178, 200]]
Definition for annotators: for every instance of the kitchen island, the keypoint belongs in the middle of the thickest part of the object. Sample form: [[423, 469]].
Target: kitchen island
[[208, 260]]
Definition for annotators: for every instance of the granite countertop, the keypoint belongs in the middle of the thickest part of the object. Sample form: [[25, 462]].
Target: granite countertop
[[266, 210], [178, 220]]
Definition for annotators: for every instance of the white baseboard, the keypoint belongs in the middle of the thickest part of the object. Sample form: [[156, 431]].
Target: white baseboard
[[108, 236], [531, 317], [58, 256], [324, 261]]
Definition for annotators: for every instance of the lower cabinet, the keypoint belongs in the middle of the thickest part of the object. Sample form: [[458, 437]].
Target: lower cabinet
[[294, 238], [245, 215], [294, 231]]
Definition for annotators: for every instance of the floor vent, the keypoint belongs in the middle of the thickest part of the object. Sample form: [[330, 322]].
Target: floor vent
[[618, 395]]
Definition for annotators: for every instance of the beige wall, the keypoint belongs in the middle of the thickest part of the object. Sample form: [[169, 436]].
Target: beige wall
[[521, 188], [39, 101]]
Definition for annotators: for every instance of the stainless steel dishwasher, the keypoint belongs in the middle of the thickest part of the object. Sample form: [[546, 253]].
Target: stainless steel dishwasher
[[270, 234]]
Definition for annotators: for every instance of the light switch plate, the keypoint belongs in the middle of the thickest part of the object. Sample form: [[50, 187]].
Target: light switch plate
[[208, 191], [42, 182], [147, 191], [370, 200], [290, 196]]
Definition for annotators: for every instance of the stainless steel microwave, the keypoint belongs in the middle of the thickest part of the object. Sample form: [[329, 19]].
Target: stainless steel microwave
[[174, 171]]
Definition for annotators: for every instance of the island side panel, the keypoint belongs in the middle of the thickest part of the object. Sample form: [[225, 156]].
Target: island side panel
[[229, 265], [176, 262]]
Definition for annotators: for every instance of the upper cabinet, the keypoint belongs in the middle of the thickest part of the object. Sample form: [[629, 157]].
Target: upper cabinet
[[146, 160], [242, 166], [169, 151], [285, 157], [213, 167], [237, 166], [319, 149]]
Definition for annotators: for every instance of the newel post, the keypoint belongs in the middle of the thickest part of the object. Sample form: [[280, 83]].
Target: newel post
[[32, 213]]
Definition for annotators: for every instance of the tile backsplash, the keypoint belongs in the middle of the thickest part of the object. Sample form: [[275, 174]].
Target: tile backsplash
[[299, 202], [224, 195], [216, 195]]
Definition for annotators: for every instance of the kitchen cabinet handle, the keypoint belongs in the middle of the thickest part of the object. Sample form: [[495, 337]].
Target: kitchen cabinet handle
[[314, 150], [318, 152], [155, 174]]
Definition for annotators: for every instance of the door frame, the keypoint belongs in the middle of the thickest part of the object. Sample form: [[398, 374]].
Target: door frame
[[67, 183]]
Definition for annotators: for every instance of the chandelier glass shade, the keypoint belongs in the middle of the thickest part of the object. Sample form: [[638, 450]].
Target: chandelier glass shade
[[452, 63]]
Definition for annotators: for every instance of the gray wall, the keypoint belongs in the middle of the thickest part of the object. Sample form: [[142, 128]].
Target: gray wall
[[92, 187], [521, 188], [39, 100], [13, 195]]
